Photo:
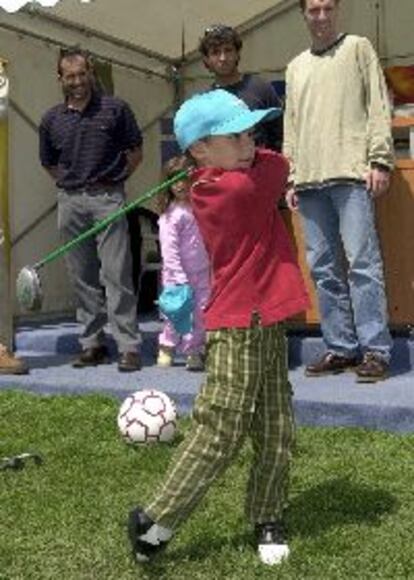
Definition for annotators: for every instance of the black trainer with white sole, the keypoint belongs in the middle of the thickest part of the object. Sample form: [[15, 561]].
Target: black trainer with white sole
[[147, 538], [272, 544]]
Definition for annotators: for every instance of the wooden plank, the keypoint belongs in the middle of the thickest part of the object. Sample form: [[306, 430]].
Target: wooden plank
[[404, 164], [398, 122], [293, 224]]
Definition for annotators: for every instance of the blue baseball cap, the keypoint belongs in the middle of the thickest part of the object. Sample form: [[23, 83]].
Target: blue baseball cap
[[216, 112]]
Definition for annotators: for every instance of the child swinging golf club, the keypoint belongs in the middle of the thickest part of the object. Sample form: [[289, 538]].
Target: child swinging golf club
[[256, 285]]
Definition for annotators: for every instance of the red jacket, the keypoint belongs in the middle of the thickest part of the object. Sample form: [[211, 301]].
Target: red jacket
[[253, 266]]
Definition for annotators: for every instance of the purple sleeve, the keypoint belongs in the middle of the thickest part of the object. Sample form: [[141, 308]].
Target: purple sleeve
[[169, 232]]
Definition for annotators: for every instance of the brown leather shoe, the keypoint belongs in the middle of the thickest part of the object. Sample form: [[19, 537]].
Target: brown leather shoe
[[10, 364], [91, 357], [372, 369], [129, 362], [330, 364]]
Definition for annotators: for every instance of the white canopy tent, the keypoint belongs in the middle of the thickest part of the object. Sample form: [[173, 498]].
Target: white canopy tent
[[152, 49], [157, 26]]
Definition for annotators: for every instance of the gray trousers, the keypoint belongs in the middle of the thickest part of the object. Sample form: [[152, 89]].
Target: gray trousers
[[6, 313], [100, 267]]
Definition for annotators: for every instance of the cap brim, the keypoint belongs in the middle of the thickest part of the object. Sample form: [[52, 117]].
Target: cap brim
[[246, 120]]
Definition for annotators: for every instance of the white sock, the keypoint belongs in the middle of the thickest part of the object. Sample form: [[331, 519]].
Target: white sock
[[156, 535]]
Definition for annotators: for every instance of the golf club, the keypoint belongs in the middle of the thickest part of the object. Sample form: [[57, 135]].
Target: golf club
[[28, 286]]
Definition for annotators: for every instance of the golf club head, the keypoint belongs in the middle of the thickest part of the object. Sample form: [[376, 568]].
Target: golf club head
[[28, 289]]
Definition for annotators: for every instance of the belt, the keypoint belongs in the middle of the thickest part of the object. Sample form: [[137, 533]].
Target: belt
[[96, 188], [99, 186]]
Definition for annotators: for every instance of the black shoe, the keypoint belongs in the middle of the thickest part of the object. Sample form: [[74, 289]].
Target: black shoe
[[146, 537], [129, 362], [271, 541], [330, 364], [91, 357]]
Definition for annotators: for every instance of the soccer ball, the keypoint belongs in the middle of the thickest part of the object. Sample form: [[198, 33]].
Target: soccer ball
[[147, 416]]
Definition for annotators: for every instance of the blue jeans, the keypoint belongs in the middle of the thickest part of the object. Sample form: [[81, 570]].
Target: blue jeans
[[345, 261]]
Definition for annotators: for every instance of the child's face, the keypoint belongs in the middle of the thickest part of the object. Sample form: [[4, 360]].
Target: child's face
[[227, 152], [180, 190]]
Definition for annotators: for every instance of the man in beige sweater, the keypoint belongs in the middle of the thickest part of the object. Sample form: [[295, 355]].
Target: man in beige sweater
[[338, 139]]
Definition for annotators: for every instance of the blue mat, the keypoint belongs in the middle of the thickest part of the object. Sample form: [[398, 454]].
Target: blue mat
[[330, 401]]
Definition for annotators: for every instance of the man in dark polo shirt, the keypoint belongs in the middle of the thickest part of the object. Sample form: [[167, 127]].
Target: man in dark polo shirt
[[90, 144], [220, 48]]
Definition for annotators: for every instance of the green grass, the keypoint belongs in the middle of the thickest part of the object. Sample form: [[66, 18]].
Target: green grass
[[351, 512]]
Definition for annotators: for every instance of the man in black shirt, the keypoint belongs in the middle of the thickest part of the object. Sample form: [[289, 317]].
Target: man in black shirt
[[220, 48], [90, 144]]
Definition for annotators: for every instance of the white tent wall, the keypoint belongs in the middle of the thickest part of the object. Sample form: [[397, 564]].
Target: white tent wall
[[34, 88], [396, 42]]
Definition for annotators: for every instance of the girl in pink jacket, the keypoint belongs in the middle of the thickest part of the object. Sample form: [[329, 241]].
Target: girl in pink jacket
[[184, 261]]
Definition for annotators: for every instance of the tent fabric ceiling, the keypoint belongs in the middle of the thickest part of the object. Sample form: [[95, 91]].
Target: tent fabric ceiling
[[157, 25]]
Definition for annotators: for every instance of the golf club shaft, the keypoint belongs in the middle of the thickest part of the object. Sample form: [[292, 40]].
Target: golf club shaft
[[101, 225]]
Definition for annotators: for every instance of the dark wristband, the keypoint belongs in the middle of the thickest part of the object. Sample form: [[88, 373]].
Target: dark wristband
[[381, 167]]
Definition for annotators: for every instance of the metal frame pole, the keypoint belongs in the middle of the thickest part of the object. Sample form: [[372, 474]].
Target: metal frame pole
[[6, 307]]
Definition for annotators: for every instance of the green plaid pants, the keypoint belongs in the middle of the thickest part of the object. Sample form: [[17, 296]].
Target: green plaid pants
[[246, 393]]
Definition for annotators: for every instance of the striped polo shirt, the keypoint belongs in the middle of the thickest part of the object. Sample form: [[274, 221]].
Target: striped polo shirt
[[88, 147]]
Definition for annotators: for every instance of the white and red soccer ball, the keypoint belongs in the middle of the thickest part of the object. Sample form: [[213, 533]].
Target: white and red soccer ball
[[147, 416]]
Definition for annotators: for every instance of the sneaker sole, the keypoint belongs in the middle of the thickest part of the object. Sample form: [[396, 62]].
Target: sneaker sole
[[141, 558], [128, 369], [76, 365], [371, 380], [14, 372], [327, 373]]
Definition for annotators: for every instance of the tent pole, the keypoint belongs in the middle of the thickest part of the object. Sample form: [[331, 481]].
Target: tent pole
[[176, 75], [6, 311], [377, 26]]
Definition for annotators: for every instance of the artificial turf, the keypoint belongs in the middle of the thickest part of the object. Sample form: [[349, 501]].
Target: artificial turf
[[351, 513]]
